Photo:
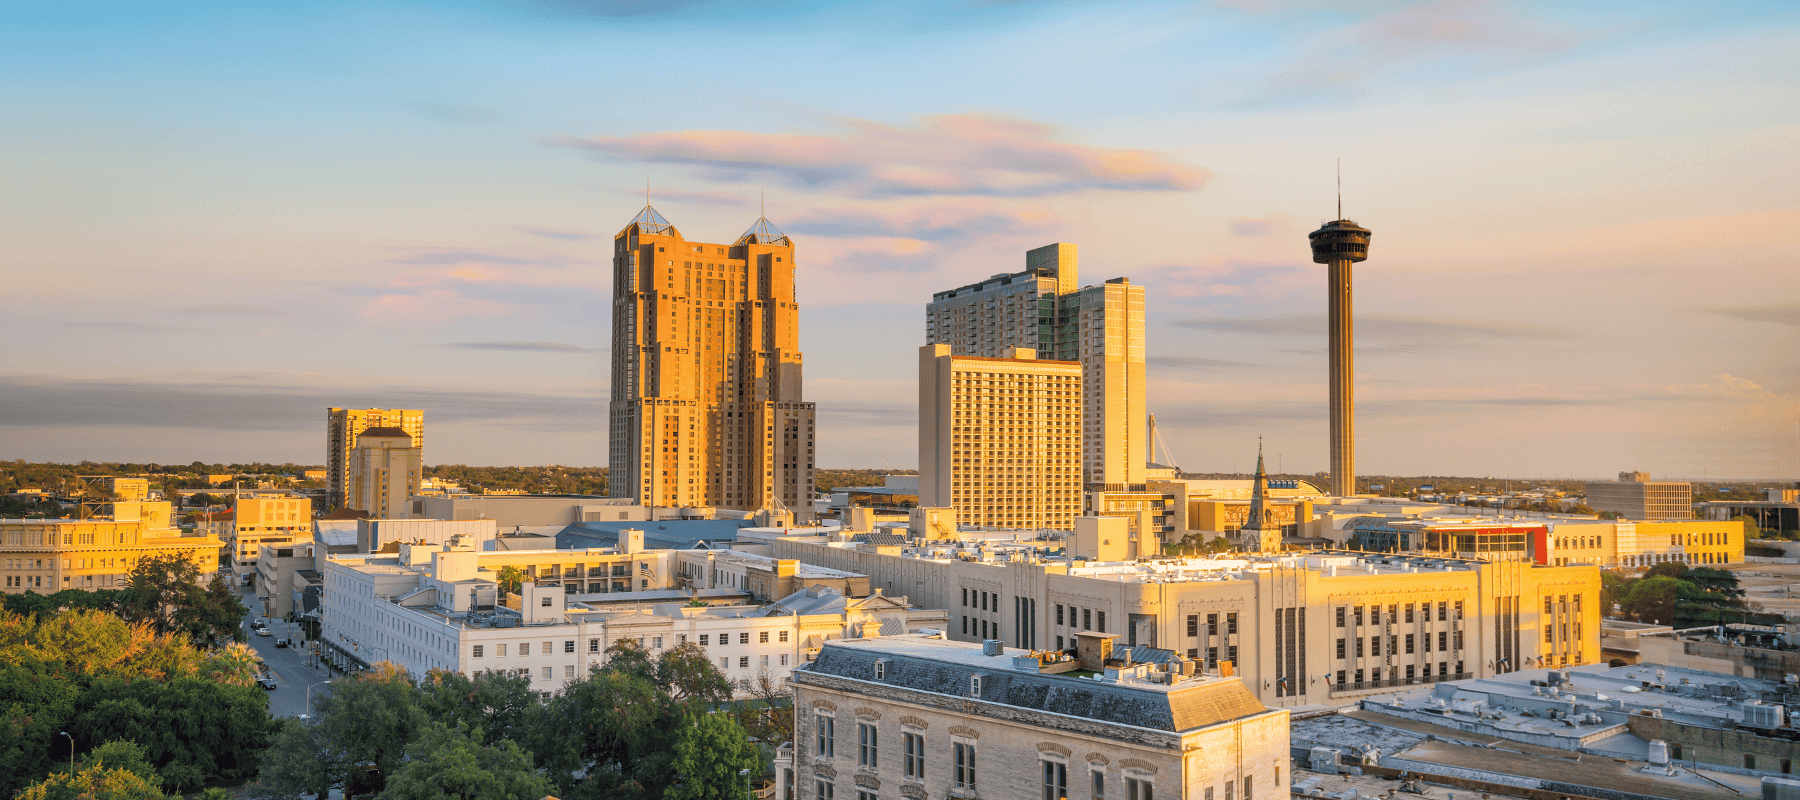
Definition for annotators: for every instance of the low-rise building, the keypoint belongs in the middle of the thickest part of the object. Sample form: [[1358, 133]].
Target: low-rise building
[[508, 511], [46, 556], [923, 717], [441, 607], [265, 518], [1635, 497]]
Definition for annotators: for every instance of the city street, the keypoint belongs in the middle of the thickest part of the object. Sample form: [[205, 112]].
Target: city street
[[287, 665]]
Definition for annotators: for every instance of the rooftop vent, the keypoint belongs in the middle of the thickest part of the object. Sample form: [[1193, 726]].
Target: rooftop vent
[[992, 647]]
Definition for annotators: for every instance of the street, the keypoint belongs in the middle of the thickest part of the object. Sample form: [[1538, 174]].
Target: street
[[287, 665]]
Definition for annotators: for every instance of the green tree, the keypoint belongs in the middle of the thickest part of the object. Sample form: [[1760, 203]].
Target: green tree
[[122, 754], [446, 763], [711, 750], [194, 730], [615, 729], [301, 760], [370, 718], [511, 580], [1653, 599], [688, 674], [93, 783], [495, 705], [166, 592]]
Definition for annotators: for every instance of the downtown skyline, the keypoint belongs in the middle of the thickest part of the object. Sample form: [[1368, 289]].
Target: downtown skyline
[[229, 221]]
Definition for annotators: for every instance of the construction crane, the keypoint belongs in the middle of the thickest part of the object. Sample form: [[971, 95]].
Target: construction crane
[[1158, 442]]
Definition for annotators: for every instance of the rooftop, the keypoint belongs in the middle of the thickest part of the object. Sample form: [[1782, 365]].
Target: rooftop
[[1013, 678]]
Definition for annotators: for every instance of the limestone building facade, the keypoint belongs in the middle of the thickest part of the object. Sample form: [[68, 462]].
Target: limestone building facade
[[385, 471], [920, 717], [707, 408], [1635, 497], [46, 556], [343, 427], [1000, 438], [1313, 628]]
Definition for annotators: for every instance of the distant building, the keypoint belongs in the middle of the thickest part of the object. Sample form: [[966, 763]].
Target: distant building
[[1779, 511], [917, 717], [1045, 309], [46, 556], [1000, 438], [1635, 497], [343, 428], [127, 489], [707, 405], [440, 607], [385, 471], [1552, 541], [509, 511], [264, 518]]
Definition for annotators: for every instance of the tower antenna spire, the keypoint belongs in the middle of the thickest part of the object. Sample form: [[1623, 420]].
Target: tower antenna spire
[[1340, 176]]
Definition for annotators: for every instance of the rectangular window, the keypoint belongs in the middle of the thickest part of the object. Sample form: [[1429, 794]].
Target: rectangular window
[[1102, 620], [824, 728], [1409, 643], [914, 749], [1087, 619], [1359, 615], [784, 659], [1059, 614], [569, 646], [569, 671], [1340, 616], [1212, 624], [825, 789], [743, 662], [964, 771], [1409, 618], [965, 593], [478, 649], [1099, 781], [593, 645], [783, 636], [762, 637], [866, 750], [1193, 625], [1375, 646], [1340, 648], [1231, 622], [743, 638], [524, 649], [1141, 789], [1056, 780], [705, 639], [499, 651], [1442, 610], [546, 673]]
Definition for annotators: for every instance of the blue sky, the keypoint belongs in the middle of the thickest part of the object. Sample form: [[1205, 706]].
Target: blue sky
[[221, 218]]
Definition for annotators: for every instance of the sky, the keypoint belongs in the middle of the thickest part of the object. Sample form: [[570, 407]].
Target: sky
[[217, 220]]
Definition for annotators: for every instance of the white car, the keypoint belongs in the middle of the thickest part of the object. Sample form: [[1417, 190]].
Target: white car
[[262, 632]]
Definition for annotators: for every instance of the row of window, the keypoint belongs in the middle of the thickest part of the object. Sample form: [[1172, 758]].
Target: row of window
[[1395, 611], [1446, 640], [1212, 624]]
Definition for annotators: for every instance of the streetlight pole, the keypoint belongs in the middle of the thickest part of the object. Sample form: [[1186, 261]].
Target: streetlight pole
[[71, 753], [309, 689], [746, 774]]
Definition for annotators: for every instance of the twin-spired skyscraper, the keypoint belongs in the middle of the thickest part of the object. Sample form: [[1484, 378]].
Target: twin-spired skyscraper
[[706, 402]]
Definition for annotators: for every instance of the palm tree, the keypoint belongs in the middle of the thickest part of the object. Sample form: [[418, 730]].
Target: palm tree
[[234, 663], [511, 580]]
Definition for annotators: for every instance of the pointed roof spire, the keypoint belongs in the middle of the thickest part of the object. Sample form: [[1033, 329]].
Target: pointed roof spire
[[649, 223], [1260, 473], [764, 232]]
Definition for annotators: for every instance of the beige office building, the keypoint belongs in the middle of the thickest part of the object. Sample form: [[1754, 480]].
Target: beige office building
[[1634, 496], [920, 718], [1000, 438], [46, 556], [707, 409], [385, 470], [1100, 326], [1319, 628], [266, 518], [343, 426]]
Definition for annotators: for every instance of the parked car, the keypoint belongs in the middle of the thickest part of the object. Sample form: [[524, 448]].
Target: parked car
[[263, 632], [281, 643], [259, 624], [267, 683]]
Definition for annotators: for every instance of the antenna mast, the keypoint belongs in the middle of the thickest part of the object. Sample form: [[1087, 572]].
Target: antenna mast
[[1340, 177]]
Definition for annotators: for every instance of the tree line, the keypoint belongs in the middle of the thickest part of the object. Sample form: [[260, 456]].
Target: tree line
[[1675, 594]]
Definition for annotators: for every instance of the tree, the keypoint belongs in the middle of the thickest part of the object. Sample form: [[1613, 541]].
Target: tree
[[1667, 569], [767, 715], [194, 730], [616, 729], [447, 763], [494, 705], [93, 783], [1653, 599], [686, 672], [370, 718], [121, 754], [511, 580], [711, 750], [166, 592], [300, 761]]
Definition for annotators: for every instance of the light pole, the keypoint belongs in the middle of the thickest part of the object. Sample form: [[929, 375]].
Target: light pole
[[746, 775], [309, 694], [71, 753]]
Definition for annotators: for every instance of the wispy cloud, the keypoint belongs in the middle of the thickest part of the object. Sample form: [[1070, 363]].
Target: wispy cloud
[[695, 198], [935, 222], [126, 327], [566, 236], [533, 347], [229, 309], [454, 257], [1385, 332], [1191, 362], [956, 154], [267, 405], [1247, 226], [1781, 314]]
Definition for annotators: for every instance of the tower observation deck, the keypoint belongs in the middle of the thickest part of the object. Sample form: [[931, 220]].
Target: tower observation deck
[[1339, 244]]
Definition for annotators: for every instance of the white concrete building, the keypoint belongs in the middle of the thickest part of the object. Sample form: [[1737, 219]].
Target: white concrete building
[[439, 607]]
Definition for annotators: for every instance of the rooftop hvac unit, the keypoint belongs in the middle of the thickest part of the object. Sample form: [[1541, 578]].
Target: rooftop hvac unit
[[1764, 716], [992, 647]]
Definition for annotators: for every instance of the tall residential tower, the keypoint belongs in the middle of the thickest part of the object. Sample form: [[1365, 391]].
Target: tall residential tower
[[1100, 326], [343, 426], [1340, 244], [706, 405]]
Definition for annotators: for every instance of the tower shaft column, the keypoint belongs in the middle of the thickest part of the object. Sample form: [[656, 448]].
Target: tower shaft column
[[1343, 384]]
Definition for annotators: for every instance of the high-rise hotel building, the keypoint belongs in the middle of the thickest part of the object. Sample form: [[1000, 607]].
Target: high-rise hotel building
[[1000, 438], [1100, 326], [343, 426], [706, 401]]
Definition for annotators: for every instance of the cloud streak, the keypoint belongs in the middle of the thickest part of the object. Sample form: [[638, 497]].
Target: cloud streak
[[527, 347], [1393, 333], [1782, 314], [953, 154]]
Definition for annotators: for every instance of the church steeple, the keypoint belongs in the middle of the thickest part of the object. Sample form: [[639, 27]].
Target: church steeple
[[1260, 533]]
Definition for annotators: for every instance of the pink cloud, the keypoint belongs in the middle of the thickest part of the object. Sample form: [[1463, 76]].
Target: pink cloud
[[954, 154]]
